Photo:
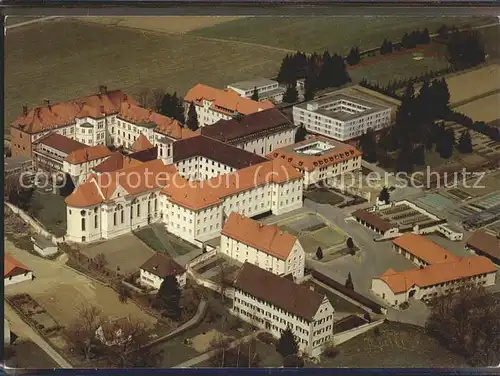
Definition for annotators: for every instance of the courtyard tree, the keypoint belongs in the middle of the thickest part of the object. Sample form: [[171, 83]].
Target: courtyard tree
[[192, 120], [350, 244], [368, 145], [287, 344], [255, 94], [348, 283], [171, 105], [81, 333], [100, 261], [384, 196], [168, 298], [319, 253], [301, 134], [19, 192], [465, 143], [291, 94]]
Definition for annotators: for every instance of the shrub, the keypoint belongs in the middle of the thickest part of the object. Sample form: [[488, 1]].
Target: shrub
[[267, 338], [330, 350], [404, 305]]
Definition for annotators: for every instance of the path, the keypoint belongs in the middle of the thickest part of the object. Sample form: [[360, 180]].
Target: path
[[25, 23], [475, 98], [16, 320], [203, 357]]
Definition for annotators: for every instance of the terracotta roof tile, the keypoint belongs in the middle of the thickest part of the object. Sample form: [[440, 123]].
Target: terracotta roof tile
[[116, 161], [266, 238], [281, 292], [87, 154], [424, 249], [86, 194], [226, 101], [57, 115], [373, 220], [61, 143], [162, 266], [142, 143], [340, 153], [13, 267], [434, 274]]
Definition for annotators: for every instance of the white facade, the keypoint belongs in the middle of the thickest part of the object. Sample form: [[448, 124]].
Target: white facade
[[326, 172], [27, 276], [206, 114], [126, 133], [267, 89], [201, 168], [265, 144], [294, 264], [382, 289], [311, 335], [80, 171], [341, 117], [154, 281]]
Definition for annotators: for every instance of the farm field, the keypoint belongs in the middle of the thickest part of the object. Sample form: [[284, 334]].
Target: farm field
[[336, 34], [166, 24], [484, 109], [473, 83], [76, 57]]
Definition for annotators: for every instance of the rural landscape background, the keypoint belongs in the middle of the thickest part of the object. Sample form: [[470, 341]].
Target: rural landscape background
[[69, 57]]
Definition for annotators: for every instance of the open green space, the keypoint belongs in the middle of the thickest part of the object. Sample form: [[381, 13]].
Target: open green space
[[51, 212], [158, 239], [397, 345], [336, 34], [70, 59]]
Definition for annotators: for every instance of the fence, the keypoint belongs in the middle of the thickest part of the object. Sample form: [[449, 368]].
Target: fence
[[344, 336]]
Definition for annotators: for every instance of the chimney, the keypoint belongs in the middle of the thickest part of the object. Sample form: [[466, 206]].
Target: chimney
[[47, 103], [102, 109], [311, 287], [25, 110], [261, 225], [103, 89]]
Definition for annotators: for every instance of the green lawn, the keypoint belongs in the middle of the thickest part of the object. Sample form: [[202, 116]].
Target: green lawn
[[336, 34], [398, 345], [52, 213], [148, 236]]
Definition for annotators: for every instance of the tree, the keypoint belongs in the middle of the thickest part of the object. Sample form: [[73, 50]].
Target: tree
[[123, 293], [465, 143], [132, 350], [465, 49], [443, 31], [287, 344], [301, 134], [81, 333], [467, 323], [319, 253], [354, 57], [192, 121], [386, 47], [255, 95], [368, 146], [19, 192], [171, 106], [425, 37], [309, 88], [350, 243], [291, 94], [168, 298], [100, 261], [348, 283], [244, 355], [419, 155], [293, 361], [384, 196]]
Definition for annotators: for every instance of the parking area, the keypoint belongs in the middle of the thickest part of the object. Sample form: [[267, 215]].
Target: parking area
[[313, 232], [125, 254]]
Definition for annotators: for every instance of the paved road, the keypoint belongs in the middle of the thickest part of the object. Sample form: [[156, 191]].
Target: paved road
[[203, 357], [25, 23], [29, 332]]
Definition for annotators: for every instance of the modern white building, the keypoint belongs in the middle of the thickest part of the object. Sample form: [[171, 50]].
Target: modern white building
[[50, 151], [320, 158], [265, 246], [14, 271], [160, 266], [259, 133], [437, 272], [266, 89], [274, 304], [213, 104], [341, 117]]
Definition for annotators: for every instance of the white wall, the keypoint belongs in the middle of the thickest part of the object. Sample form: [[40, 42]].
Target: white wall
[[28, 276], [266, 144], [322, 173], [345, 336], [154, 281]]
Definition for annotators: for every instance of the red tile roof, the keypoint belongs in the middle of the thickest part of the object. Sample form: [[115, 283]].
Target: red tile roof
[[424, 249], [116, 161], [61, 143], [88, 154], [434, 274], [486, 243], [142, 143], [61, 114], [162, 266], [13, 267], [226, 101], [373, 220], [266, 238]]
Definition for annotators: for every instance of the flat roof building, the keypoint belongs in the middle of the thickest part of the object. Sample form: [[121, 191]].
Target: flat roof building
[[341, 116], [267, 89]]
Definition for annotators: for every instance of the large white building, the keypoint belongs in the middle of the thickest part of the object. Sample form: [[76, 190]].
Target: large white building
[[437, 272], [274, 303], [213, 104], [341, 116], [320, 158], [259, 133], [265, 246], [266, 89], [208, 181]]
